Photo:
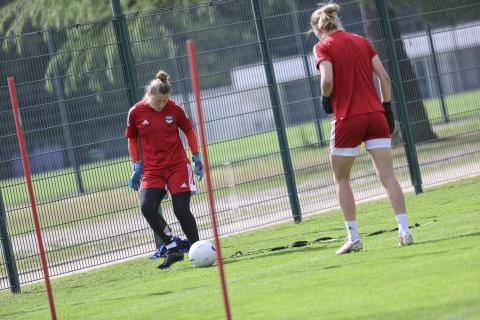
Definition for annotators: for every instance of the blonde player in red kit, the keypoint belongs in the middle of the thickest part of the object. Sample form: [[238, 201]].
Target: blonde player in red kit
[[347, 63], [154, 122]]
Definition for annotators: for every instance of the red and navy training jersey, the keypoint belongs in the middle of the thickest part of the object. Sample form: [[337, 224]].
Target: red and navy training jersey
[[158, 133], [353, 88]]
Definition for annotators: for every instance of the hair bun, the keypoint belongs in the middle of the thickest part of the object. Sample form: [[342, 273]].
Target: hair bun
[[331, 9], [162, 76]]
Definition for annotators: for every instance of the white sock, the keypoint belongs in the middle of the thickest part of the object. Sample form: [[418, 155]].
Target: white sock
[[352, 230], [402, 223]]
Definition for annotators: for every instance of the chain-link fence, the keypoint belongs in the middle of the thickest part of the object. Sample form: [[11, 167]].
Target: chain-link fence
[[76, 84]]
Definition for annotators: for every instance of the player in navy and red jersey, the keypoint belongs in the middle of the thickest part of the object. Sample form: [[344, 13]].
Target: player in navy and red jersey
[[153, 124], [347, 63]]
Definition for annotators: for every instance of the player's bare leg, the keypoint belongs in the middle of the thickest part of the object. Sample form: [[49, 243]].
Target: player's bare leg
[[383, 162], [342, 167]]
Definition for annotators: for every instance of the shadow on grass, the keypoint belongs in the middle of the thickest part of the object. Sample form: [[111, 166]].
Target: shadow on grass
[[471, 234], [465, 309], [278, 253], [125, 298], [136, 296], [424, 254], [155, 294], [22, 313], [288, 237], [421, 254]]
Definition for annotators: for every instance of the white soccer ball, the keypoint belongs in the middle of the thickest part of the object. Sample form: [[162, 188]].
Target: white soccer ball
[[202, 254]]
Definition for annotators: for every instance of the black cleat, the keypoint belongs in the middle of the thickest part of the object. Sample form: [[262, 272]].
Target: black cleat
[[173, 256]]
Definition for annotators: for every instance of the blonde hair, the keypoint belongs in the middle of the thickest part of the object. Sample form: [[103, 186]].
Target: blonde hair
[[159, 85], [325, 18]]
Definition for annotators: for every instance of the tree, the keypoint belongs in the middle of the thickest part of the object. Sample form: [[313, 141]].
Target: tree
[[83, 47], [421, 127]]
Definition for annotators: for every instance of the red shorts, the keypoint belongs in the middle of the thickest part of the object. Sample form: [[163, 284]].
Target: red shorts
[[348, 134], [176, 179]]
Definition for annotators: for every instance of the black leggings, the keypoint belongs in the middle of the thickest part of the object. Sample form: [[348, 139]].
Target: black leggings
[[150, 200]]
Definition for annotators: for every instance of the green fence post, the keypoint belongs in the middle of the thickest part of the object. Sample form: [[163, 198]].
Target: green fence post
[[67, 132], [277, 113], [126, 55], [8, 250], [411, 152]]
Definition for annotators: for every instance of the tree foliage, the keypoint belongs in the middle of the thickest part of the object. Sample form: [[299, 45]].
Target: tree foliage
[[82, 48]]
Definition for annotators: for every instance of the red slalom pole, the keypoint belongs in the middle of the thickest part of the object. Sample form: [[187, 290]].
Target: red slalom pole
[[213, 215], [31, 195]]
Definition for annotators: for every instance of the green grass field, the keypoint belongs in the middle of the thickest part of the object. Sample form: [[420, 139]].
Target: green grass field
[[436, 278]]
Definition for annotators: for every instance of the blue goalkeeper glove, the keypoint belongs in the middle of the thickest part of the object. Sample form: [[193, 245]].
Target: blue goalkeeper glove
[[134, 181], [198, 166]]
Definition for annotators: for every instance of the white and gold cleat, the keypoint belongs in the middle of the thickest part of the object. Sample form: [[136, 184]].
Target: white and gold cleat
[[350, 246], [405, 240]]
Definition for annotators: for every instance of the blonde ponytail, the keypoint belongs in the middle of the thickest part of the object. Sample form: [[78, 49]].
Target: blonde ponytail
[[326, 18]]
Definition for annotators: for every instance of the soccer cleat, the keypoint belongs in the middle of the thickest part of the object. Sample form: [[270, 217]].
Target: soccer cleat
[[160, 252], [350, 246], [172, 256], [405, 240]]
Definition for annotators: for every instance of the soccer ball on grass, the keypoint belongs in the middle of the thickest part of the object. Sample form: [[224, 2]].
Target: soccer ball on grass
[[202, 254]]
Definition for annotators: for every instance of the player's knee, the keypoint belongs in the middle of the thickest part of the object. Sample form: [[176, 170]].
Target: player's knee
[[388, 180], [182, 210], [148, 208], [181, 199], [342, 180]]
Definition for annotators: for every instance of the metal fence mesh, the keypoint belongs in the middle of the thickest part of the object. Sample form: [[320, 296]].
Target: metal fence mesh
[[74, 101]]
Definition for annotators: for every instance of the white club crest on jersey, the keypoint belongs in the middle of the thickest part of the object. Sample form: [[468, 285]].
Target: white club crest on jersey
[[169, 119]]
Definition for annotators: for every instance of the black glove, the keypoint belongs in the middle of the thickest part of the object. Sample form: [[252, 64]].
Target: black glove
[[327, 104], [387, 107]]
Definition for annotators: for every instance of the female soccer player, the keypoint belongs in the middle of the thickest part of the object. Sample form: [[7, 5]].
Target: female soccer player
[[346, 63], [154, 122]]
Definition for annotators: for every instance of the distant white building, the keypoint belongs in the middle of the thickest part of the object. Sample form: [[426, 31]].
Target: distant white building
[[458, 57], [245, 108]]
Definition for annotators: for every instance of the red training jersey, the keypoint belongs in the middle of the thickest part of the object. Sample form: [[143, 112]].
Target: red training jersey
[[160, 142], [351, 56]]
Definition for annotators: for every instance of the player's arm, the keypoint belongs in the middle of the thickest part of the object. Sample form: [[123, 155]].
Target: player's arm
[[385, 90], [326, 83], [186, 126], [131, 133], [134, 149], [192, 141], [385, 83]]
